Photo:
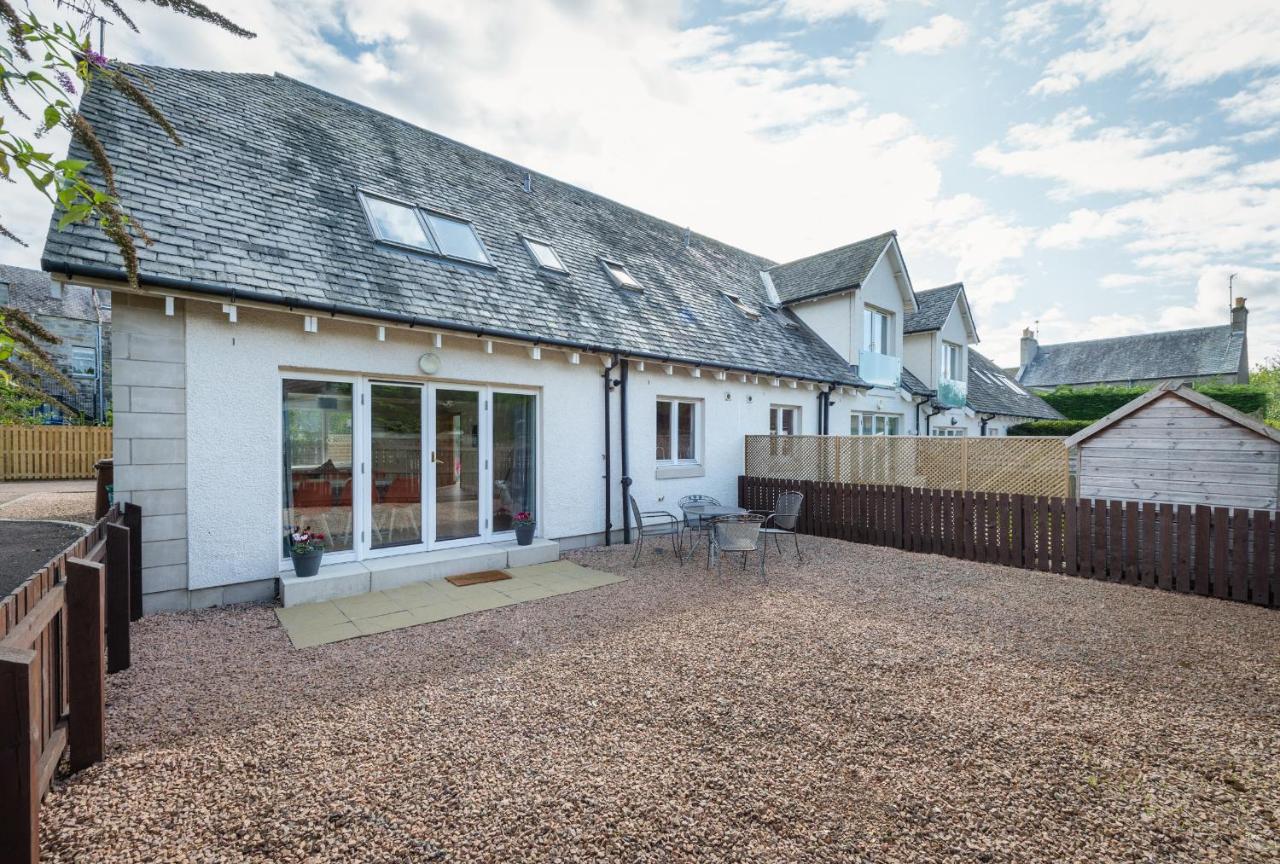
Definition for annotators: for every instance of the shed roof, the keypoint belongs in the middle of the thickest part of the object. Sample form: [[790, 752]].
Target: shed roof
[[1181, 391]]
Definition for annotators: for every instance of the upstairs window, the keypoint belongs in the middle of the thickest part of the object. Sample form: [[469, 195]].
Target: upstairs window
[[428, 231], [876, 332], [952, 362], [618, 273], [84, 361], [544, 256], [753, 314]]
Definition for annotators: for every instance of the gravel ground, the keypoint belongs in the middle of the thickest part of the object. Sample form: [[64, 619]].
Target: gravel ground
[[870, 705], [71, 500], [25, 547]]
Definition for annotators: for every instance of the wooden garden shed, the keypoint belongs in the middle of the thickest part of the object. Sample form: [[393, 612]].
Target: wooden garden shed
[[1176, 445]]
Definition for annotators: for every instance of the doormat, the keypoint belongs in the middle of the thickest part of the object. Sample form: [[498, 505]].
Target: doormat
[[477, 578]]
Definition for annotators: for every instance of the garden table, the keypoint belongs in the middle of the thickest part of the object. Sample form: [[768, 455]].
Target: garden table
[[709, 512]]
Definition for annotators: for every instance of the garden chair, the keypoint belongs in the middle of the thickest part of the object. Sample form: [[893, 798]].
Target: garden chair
[[732, 534], [695, 524], [403, 499], [654, 523], [783, 520]]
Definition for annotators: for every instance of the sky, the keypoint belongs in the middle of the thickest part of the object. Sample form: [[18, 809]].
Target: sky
[[1089, 168]]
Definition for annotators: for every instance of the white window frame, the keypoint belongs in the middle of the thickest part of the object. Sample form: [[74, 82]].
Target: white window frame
[[775, 419], [530, 242], [421, 212], [75, 373], [674, 466], [868, 312], [952, 371], [949, 432], [607, 264], [871, 416]]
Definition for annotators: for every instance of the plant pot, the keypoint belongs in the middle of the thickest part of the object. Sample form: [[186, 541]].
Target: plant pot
[[524, 533], [306, 563]]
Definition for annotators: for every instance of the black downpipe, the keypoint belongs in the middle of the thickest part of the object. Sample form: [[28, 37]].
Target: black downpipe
[[982, 429], [608, 455], [622, 435], [822, 412], [937, 409]]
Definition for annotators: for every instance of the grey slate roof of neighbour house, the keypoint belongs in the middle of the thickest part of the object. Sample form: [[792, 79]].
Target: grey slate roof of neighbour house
[[1148, 356], [829, 272], [934, 307], [262, 200], [991, 391], [33, 292]]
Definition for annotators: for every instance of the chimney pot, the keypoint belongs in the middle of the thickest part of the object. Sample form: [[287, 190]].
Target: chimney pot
[[1029, 347]]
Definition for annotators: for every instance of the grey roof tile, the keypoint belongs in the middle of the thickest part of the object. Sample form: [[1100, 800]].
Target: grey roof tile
[[934, 306], [828, 272], [263, 197], [1144, 357], [991, 391], [912, 384], [32, 292]]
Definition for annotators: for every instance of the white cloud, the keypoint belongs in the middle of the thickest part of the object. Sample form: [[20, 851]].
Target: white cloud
[[813, 11], [941, 32], [1124, 280], [1083, 160], [1180, 42], [1033, 23], [1254, 105]]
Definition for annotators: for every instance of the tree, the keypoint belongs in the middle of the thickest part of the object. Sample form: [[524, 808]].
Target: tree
[[23, 360], [1267, 376], [40, 65]]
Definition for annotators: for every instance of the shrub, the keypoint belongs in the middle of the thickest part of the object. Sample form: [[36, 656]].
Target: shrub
[[1094, 403], [1060, 428]]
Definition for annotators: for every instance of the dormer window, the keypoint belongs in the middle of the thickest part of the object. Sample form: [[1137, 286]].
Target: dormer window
[[425, 230], [618, 273], [544, 256], [952, 361], [753, 314]]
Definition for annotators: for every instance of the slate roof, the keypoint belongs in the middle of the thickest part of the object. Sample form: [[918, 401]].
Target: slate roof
[[1145, 357], [32, 292], [828, 272], [262, 201], [991, 391], [912, 384], [933, 307]]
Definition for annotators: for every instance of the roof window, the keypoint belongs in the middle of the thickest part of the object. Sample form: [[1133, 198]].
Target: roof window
[[618, 273], [753, 314], [416, 228], [544, 256]]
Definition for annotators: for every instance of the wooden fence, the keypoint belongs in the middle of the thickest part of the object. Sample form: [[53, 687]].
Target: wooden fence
[[55, 629], [52, 452], [1212, 551], [1030, 466]]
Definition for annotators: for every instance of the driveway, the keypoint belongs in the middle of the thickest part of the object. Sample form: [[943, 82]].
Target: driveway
[[869, 705], [47, 499]]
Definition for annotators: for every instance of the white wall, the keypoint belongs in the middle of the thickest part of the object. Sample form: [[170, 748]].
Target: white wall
[[835, 322], [920, 354]]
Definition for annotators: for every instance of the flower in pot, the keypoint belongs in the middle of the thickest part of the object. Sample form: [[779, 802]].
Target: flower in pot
[[524, 527], [306, 548]]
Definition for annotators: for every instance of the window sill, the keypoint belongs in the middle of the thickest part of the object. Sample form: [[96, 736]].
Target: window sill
[[673, 472]]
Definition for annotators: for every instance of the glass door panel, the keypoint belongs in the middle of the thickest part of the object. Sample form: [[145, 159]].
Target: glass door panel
[[318, 477], [395, 445], [457, 464], [514, 462]]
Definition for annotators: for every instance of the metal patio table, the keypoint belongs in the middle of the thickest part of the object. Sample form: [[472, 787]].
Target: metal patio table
[[710, 512]]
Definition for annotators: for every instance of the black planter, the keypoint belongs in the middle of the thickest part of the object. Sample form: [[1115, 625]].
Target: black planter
[[524, 533], [306, 563]]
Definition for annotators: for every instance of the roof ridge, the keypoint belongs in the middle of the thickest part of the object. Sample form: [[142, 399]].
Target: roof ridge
[[947, 287], [1138, 335], [680, 229], [890, 233]]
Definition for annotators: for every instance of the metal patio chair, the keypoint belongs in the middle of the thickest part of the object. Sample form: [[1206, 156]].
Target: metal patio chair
[[732, 534], [699, 526], [653, 523], [783, 520]]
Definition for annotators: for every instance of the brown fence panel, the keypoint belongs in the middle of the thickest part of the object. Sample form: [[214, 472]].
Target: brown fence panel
[[1263, 570], [52, 452]]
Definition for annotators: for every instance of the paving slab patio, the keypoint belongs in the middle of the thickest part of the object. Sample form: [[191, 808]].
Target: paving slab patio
[[314, 624]]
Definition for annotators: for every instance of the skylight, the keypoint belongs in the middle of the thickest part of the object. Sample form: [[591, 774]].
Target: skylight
[[753, 314], [619, 275], [404, 225], [544, 256]]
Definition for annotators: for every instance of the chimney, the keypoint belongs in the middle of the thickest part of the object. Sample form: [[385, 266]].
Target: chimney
[[1029, 347], [1239, 316]]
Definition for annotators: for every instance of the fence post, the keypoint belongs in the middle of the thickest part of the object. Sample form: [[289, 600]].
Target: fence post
[[20, 754], [118, 605], [133, 521], [964, 463], [87, 668]]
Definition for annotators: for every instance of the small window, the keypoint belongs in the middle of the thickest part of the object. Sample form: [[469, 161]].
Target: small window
[[397, 223], [867, 423], [753, 314], [620, 276], [876, 331], [84, 362], [677, 432], [545, 256], [952, 362], [781, 317], [948, 432], [456, 238], [784, 420]]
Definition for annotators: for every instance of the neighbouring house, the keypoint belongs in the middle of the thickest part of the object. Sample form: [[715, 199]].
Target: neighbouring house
[[81, 319], [351, 322], [1173, 444], [1202, 354]]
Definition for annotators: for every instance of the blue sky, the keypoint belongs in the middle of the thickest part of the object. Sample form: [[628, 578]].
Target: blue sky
[[1098, 166]]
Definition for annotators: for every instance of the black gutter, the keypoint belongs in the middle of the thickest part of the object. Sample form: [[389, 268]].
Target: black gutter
[[334, 309], [622, 434], [608, 454]]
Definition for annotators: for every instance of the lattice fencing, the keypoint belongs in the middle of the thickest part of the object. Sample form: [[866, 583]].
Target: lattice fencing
[[1025, 466]]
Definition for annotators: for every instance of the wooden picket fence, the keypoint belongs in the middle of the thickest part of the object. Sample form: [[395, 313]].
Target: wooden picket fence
[[52, 452], [61, 631], [1233, 554]]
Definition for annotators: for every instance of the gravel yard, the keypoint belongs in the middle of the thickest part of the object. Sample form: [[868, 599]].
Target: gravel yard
[[870, 705], [71, 500]]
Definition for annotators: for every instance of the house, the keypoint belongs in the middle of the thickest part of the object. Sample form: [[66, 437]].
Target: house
[[1202, 354], [1175, 445], [350, 322], [81, 319]]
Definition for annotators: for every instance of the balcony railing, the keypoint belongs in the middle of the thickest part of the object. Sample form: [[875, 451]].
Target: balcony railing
[[952, 393], [879, 369]]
